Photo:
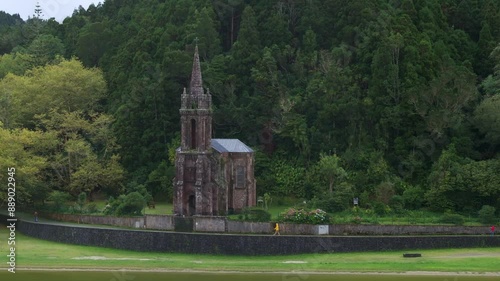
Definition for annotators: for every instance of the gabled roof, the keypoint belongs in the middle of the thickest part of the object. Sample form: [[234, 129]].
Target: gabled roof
[[230, 145]]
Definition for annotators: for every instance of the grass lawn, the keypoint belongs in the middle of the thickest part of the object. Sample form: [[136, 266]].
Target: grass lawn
[[276, 210], [161, 208], [33, 253]]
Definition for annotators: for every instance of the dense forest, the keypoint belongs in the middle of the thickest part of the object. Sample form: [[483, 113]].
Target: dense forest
[[396, 102]]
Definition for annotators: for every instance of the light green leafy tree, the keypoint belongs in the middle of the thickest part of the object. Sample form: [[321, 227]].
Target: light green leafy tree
[[16, 63], [18, 150], [85, 159], [65, 86], [331, 170]]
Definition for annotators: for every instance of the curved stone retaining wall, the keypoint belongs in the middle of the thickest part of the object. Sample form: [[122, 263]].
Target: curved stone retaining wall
[[222, 224], [148, 221], [233, 244], [132, 222], [362, 229]]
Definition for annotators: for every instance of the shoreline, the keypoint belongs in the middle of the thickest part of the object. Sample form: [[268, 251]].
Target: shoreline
[[193, 271]]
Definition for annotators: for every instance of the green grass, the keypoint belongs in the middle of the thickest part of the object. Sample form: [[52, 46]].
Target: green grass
[[162, 276], [34, 253], [160, 209], [276, 210]]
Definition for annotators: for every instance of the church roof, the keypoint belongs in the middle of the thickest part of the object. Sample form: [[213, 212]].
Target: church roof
[[230, 145]]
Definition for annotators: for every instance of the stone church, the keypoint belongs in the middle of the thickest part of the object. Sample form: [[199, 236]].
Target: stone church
[[213, 176]]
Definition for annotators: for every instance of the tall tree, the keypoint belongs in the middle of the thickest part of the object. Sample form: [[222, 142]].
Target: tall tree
[[245, 51], [18, 150], [205, 34], [93, 42], [65, 86], [331, 169], [45, 49], [485, 45], [487, 119]]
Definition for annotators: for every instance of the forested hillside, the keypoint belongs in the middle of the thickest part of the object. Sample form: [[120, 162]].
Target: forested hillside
[[396, 102]]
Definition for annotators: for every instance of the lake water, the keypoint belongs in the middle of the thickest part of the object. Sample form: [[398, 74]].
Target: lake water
[[143, 276]]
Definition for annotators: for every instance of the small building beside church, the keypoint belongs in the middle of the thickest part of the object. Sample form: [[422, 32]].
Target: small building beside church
[[213, 176]]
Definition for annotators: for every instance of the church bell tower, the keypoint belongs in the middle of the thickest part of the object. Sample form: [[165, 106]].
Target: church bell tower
[[192, 185]]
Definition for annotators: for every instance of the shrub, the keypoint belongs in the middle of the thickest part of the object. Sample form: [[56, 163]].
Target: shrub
[[452, 218], [365, 200], [294, 215], [380, 208], [92, 208], [132, 204], [413, 197], [74, 209], [111, 205], [141, 189], [397, 204], [59, 200], [487, 214], [317, 216], [330, 203], [255, 214], [81, 200]]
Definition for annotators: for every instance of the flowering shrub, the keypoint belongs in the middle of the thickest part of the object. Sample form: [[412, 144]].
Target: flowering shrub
[[317, 216]]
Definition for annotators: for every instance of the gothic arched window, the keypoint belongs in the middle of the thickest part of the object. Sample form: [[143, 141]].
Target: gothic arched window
[[193, 134]]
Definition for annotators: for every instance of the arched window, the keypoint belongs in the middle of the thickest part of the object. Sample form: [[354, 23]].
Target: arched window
[[240, 176], [193, 134]]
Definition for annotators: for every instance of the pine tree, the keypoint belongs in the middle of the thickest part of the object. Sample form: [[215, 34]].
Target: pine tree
[[246, 50], [483, 65], [38, 11]]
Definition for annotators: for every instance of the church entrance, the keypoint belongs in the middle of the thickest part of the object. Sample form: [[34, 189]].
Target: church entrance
[[192, 205]]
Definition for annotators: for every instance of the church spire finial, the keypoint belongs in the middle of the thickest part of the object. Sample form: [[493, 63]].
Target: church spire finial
[[196, 80]]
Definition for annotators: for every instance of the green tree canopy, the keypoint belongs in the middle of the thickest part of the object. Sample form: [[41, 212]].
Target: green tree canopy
[[65, 86]]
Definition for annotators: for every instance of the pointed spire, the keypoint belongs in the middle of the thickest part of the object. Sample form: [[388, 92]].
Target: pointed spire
[[196, 80]]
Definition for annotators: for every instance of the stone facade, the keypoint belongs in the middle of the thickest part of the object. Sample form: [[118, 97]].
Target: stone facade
[[213, 176]]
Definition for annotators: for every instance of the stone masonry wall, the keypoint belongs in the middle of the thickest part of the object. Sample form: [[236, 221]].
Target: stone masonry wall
[[361, 229], [221, 224], [249, 227], [132, 222], [233, 244], [209, 224], [159, 222]]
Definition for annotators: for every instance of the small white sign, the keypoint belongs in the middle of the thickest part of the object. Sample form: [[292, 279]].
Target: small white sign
[[323, 230]]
